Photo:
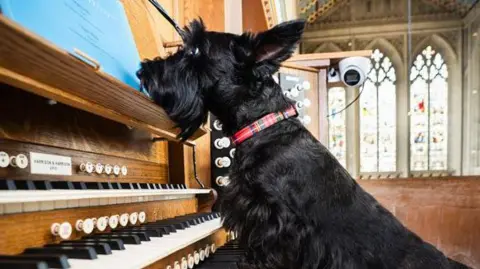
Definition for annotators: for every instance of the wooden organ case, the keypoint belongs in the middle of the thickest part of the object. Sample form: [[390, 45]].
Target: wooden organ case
[[91, 175]]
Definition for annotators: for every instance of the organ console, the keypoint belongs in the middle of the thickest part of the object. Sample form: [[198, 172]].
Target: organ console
[[91, 175]]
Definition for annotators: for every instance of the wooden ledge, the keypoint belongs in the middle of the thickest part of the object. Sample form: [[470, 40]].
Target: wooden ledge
[[33, 64]]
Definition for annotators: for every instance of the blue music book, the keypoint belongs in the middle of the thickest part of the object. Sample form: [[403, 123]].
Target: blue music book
[[97, 28]]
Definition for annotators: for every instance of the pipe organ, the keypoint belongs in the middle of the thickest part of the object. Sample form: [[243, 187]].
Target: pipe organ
[[91, 175]]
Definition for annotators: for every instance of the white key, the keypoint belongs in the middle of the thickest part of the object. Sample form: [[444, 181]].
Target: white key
[[140, 256]]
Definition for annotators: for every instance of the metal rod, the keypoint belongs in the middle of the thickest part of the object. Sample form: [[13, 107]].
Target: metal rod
[[167, 17]]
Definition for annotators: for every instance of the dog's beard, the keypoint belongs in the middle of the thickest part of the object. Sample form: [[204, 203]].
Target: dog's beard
[[178, 94]]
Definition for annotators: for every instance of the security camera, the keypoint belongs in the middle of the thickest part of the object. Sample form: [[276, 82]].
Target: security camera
[[353, 70]]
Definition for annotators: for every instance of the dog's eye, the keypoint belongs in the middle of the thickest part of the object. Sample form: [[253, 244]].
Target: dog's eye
[[195, 51]]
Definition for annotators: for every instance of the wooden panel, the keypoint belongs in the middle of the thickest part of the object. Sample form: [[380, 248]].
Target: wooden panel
[[219, 238], [20, 231], [211, 11], [28, 118], [329, 55], [138, 171], [311, 94], [444, 212], [148, 41], [33, 64], [253, 16]]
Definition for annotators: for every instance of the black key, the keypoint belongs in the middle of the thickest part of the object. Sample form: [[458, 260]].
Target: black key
[[116, 186], [56, 261], [152, 232], [42, 185], [94, 185], [144, 186], [115, 244], [23, 264], [126, 186], [168, 228], [100, 248], [62, 185], [71, 252], [158, 186], [142, 235], [127, 239], [79, 185], [165, 186], [107, 185], [7, 184], [25, 185]]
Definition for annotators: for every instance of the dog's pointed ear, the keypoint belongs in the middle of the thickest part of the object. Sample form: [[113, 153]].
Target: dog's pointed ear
[[277, 44]]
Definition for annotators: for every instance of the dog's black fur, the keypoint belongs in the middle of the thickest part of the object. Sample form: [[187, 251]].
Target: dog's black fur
[[293, 205]]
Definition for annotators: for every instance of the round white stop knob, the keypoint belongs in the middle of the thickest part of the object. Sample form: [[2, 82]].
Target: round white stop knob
[[20, 161], [202, 255], [207, 251], [217, 125], [213, 248], [191, 261], [99, 168], [116, 170], [306, 102], [307, 120], [133, 218], [223, 162], [306, 85], [102, 223], [85, 226], [142, 217], [176, 265], [294, 92], [4, 159], [63, 230], [168, 267], [124, 170], [221, 143], [184, 264], [299, 104], [108, 169], [196, 257], [113, 221], [124, 219]]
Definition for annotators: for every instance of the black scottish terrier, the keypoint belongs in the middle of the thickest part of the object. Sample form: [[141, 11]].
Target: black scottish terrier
[[294, 206]]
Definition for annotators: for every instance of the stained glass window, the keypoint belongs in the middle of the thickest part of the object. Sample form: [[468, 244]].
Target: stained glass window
[[428, 112], [378, 117], [337, 124]]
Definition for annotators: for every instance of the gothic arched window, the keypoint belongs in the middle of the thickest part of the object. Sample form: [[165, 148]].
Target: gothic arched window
[[378, 145], [336, 124], [428, 112]]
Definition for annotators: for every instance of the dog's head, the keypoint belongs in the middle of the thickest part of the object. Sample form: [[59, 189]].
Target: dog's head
[[218, 72]]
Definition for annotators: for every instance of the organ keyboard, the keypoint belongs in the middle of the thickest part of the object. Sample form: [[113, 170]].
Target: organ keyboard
[[87, 179], [128, 247]]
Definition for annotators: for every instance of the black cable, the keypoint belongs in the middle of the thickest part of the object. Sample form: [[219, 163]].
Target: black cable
[[349, 104], [195, 175], [167, 17]]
